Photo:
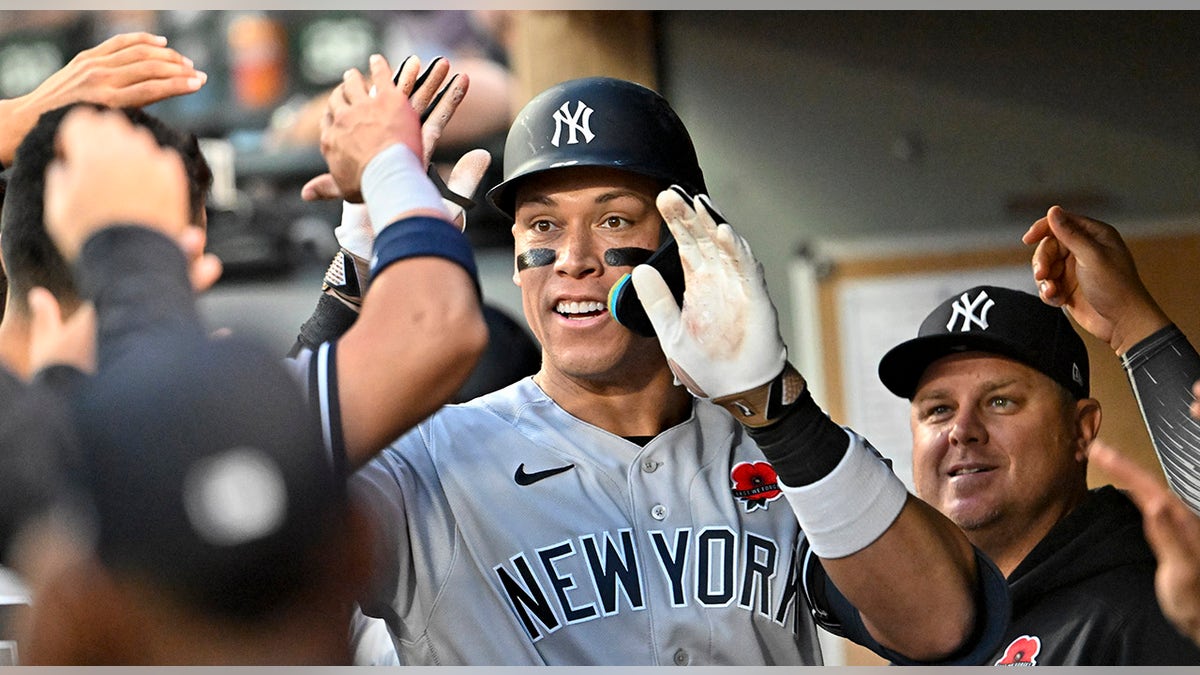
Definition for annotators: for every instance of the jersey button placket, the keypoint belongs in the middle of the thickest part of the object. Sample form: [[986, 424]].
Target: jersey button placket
[[658, 512], [681, 657]]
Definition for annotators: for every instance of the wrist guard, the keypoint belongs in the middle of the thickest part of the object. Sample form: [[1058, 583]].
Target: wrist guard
[[763, 405]]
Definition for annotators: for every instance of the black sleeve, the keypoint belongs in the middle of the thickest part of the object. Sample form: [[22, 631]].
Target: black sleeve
[[1162, 369], [138, 281], [331, 318], [833, 612]]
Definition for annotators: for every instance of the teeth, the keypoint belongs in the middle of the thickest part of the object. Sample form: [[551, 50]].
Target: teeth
[[968, 471], [579, 307]]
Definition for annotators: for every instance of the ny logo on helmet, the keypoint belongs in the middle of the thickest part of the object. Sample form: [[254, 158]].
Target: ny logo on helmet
[[579, 123], [967, 309]]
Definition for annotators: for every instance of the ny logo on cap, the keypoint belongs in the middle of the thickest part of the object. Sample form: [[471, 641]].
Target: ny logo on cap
[[579, 123], [972, 312]]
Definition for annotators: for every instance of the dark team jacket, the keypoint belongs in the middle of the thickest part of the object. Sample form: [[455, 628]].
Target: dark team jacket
[[1085, 595]]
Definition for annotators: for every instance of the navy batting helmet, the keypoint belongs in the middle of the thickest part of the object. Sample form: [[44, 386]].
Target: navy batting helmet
[[598, 121]]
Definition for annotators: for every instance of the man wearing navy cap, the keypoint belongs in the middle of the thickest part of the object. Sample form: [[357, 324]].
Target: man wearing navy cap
[[1002, 421]]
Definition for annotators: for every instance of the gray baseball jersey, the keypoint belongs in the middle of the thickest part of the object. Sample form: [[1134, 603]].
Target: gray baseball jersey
[[513, 533], [523, 535]]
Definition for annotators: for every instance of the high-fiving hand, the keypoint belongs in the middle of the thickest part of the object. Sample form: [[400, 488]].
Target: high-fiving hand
[[1083, 265], [725, 339]]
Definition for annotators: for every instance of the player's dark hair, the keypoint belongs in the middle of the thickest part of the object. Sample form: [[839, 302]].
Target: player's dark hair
[[30, 257]]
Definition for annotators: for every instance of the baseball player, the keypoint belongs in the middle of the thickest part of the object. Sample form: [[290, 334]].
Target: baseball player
[[600, 512]]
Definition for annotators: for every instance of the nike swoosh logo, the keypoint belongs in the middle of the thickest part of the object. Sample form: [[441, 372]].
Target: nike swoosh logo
[[523, 478]]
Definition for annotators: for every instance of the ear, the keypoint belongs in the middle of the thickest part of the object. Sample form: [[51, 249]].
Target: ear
[[516, 273], [1087, 426]]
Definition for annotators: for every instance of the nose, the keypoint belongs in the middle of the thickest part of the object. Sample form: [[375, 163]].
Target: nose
[[967, 429], [579, 256]]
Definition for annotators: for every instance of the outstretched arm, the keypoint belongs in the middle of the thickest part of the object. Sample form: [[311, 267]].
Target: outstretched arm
[[1085, 266], [130, 69], [421, 328], [725, 345]]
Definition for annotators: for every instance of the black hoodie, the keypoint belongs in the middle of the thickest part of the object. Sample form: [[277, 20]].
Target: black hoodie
[[1085, 594]]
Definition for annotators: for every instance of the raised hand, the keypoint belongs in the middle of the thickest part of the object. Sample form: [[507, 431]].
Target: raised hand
[[431, 95], [365, 115], [725, 339], [1083, 265], [130, 69], [108, 171]]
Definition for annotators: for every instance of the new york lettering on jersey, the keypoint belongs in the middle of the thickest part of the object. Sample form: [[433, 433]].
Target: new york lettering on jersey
[[599, 576]]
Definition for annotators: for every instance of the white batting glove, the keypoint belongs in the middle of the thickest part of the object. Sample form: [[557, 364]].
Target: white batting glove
[[726, 339]]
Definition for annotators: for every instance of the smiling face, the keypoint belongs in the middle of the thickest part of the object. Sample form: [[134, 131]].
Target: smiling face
[[576, 232], [998, 448]]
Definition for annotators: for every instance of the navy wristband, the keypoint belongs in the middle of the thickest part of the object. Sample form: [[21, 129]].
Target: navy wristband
[[421, 236]]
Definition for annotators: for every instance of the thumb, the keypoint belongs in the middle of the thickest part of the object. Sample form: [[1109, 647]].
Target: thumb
[[46, 317], [468, 172], [657, 300], [204, 272], [320, 188], [464, 180], [1076, 233], [1138, 483]]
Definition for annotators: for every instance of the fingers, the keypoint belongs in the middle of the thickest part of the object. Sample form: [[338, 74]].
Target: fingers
[[131, 70], [429, 83], [675, 209], [443, 109], [657, 300], [1170, 527], [694, 229], [406, 74], [337, 103], [354, 87], [1142, 487], [381, 73], [1049, 271], [468, 172], [320, 188], [1037, 231], [121, 41], [143, 53], [1195, 409], [464, 180]]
